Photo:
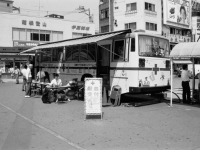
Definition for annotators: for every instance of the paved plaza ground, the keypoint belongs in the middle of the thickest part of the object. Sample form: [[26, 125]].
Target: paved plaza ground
[[28, 124]]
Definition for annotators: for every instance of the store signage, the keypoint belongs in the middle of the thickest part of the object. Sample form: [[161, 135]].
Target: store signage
[[195, 5], [178, 38], [32, 23], [24, 44], [178, 11], [93, 96], [80, 28]]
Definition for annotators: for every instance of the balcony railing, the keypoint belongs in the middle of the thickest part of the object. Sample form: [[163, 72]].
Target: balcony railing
[[132, 12], [150, 13]]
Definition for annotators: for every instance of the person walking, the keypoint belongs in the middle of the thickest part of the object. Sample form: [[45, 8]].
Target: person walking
[[29, 81], [185, 76], [23, 71], [17, 74]]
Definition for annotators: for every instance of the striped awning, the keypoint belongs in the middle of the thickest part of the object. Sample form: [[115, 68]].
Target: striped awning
[[83, 40], [186, 50]]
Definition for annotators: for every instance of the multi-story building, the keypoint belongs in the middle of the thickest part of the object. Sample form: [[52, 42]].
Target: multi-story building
[[170, 18], [196, 20], [20, 32]]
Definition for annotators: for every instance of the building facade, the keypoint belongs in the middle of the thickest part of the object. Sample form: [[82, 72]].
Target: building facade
[[19, 32], [170, 18]]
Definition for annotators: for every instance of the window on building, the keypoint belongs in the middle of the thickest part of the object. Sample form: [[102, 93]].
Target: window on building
[[15, 34], [131, 6], [22, 34], [119, 50], [8, 5], [45, 35], [105, 29], [149, 6], [104, 13], [57, 36], [130, 25], [36, 35], [151, 26]]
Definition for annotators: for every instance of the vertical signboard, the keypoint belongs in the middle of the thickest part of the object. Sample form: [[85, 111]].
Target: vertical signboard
[[93, 96], [179, 11]]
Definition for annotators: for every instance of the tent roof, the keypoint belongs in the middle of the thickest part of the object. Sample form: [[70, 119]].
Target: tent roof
[[186, 50]]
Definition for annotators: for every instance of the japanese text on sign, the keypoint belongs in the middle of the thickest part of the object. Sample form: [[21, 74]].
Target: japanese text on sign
[[93, 96]]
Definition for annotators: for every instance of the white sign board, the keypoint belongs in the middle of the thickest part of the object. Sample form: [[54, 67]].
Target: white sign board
[[93, 96]]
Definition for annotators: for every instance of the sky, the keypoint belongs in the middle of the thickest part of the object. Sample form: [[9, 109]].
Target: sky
[[67, 8]]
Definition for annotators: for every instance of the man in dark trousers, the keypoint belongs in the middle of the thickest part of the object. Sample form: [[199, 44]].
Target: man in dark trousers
[[185, 76]]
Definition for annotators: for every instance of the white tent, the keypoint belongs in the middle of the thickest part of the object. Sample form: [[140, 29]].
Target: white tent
[[184, 50]]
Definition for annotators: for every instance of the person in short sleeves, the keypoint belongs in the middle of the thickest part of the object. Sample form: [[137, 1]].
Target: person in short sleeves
[[185, 76]]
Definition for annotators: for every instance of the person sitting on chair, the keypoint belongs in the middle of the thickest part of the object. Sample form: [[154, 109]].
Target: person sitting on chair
[[57, 82]]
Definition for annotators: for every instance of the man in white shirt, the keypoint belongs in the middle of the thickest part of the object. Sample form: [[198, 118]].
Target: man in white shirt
[[29, 80], [185, 76], [23, 71], [40, 75]]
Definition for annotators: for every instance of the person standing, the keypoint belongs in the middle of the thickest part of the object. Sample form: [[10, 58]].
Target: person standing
[[29, 80], [23, 71], [40, 76], [16, 74], [185, 76]]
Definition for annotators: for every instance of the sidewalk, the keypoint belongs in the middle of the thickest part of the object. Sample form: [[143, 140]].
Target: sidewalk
[[61, 126]]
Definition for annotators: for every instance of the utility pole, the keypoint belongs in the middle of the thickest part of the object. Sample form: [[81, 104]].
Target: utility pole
[[83, 10]]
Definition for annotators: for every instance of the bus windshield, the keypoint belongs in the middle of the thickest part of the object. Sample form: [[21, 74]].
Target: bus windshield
[[153, 46]]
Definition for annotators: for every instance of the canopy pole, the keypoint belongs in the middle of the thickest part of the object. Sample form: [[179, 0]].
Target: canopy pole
[[171, 63]]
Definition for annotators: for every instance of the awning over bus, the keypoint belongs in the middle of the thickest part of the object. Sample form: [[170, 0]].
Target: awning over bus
[[186, 50], [83, 40]]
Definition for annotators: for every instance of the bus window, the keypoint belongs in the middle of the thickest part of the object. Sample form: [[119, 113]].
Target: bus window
[[153, 46], [46, 55], [83, 52], [68, 53], [133, 45], [92, 52], [119, 48], [56, 53], [75, 53], [72, 53]]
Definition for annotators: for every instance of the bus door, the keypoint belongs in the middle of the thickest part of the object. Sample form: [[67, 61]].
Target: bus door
[[103, 64]]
